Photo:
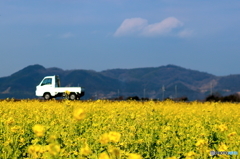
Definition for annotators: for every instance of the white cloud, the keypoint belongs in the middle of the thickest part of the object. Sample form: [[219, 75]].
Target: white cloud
[[130, 26], [162, 27], [139, 26], [185, 33], [67, 35]]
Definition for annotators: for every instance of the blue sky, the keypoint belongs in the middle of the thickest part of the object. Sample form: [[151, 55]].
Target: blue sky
[[106, 34]]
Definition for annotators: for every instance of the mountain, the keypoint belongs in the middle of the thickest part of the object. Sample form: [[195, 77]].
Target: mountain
[[152, 82]]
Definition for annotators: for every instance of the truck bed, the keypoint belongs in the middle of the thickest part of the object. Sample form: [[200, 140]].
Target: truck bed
[[70, 89]]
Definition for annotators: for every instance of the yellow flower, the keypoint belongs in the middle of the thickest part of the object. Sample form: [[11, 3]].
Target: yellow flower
[[22, 140], [103, 155], [15, 129], [75, 152], [134, 156], [232, 134], [51, 138], [104, 138], [79, 114], [200, 142], [31, 149], [190, 155], [140, 141], [110, 137], [85, 151], [173, 157], [9, 121], [114, 136], [222, 127], [132, 116], [67, 92], [39, 130], [6, 143], [222, 147], [114, 152], [35, 150], [167, 128], [53, 149]]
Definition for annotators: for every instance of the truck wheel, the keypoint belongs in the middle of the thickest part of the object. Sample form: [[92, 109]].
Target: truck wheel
[[47, 96], [72, 96]]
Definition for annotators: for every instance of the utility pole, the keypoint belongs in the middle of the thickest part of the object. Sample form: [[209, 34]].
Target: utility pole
[[211, 91], [163, 90], [144, 91], [96, 95], [175, 91]]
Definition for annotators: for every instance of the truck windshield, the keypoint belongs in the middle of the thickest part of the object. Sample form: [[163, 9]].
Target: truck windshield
[[46, 81]]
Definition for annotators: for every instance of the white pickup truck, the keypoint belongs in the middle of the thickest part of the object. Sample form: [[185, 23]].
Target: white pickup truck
[[49, 88]]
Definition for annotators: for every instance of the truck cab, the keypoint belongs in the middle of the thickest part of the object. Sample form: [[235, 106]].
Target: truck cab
[[50, 87]]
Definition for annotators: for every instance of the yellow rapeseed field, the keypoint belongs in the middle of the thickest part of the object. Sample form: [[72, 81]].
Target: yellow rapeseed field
[[118, 129]]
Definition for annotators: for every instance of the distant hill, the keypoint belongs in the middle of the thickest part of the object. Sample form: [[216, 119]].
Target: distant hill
[[143, 82]]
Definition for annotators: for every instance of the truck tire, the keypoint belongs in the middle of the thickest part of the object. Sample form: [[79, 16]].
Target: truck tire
[[47, 96], [72, 96]]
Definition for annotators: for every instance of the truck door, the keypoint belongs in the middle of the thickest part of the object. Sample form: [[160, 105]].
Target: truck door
[[45, 86]]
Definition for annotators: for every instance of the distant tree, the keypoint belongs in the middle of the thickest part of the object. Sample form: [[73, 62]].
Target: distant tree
[[145, 99], [217, 97], [184, 98], [133, 98], [214, 97], [118, 98], [231, 98]]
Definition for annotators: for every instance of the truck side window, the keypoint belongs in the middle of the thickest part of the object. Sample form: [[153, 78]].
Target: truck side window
[[47, 81]]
